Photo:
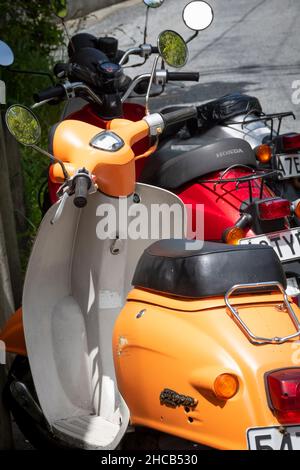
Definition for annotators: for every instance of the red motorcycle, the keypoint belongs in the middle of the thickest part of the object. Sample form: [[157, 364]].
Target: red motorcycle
[[222, 175]]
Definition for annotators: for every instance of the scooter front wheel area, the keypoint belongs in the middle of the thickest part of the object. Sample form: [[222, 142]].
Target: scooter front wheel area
[[21, 398], [29, 418]]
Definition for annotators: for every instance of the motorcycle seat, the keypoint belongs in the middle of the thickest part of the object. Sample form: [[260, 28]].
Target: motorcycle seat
[[180, 268], [227, 107], [172, 166]]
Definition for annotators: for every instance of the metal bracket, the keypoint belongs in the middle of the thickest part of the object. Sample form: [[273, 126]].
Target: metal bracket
[[70, 91], [2, 92], [117, 246], [252, 337]]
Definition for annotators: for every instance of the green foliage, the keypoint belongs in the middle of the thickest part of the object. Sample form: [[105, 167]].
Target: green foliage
[[33, 33]]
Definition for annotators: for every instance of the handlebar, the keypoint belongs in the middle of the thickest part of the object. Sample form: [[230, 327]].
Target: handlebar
[[183, 76], [180, 115], [159, 122], [82, 184], [52, 92]]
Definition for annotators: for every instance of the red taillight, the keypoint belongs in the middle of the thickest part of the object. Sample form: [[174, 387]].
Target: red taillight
[[272, 209], [284, 393], [291, 142]]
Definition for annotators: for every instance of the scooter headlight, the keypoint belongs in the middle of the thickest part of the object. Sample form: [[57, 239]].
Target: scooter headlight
[[107, 141]]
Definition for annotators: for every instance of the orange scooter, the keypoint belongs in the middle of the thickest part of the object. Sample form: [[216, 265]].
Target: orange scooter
[[189, 339]]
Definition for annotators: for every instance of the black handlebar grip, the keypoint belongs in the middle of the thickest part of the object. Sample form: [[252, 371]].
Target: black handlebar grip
[[183, 76], [180, 115], [155, 50], [57, 91], [82, 186]]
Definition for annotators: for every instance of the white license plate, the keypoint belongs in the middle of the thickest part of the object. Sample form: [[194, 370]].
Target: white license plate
[[288, 165], [286, 243], [274, 438]]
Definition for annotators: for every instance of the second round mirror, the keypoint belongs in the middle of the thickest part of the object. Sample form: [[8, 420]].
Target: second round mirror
[[198, 15], [153, 3], [6, 54], [173, 49]]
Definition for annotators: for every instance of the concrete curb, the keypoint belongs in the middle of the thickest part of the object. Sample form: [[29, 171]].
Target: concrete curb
[[80, 8]]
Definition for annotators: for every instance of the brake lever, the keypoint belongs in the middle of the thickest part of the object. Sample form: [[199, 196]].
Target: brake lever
[[41, 103], [67, 190], [60, 208]]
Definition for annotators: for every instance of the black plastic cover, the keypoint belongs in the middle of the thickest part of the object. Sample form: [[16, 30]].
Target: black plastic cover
[[169, 267]]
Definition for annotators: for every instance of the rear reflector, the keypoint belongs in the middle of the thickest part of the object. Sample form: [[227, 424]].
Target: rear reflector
[[272, 209], [291, 142], [284, 393]]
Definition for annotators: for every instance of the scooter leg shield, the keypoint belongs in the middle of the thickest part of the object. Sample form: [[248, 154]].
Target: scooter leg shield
[[12, 334], [168, 354]]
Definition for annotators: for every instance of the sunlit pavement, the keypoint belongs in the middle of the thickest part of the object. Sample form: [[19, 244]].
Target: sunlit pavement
[[251, 47]]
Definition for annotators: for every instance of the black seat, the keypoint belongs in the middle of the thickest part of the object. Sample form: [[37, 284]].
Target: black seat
[[172, 166], [180, 268], [227, 107]]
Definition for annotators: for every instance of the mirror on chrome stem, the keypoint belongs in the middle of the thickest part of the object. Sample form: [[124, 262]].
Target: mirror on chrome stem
[[173, 49], [23, 125]]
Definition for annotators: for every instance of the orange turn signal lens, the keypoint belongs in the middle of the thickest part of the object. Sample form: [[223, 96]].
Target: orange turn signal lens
[[226, 386], [233, 235], [263, 153], [297, 208]]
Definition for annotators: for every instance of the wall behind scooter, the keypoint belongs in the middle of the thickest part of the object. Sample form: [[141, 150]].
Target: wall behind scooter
[[79, 8]]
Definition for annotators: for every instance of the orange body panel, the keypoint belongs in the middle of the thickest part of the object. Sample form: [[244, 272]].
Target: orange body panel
[[183, 346], [114, 171], [13, 334]]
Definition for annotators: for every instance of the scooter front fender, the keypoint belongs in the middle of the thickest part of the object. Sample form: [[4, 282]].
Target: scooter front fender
[[13, 334]]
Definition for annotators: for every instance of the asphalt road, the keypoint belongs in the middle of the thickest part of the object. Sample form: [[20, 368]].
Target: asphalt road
[[251, 47]]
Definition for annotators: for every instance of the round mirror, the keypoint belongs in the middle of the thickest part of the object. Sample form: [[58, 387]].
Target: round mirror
[[23, 124], [6, 54], [60, 8], [173, 49], [153, 3], [198, 15]]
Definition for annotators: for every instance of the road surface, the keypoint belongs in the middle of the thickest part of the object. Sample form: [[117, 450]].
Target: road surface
[[251, 47]]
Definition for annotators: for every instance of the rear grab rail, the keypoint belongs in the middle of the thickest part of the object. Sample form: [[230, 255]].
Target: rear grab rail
[[251, 336]]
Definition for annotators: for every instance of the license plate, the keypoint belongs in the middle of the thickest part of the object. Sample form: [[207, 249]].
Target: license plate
[[286, 243], [288, 165], [274, 438]]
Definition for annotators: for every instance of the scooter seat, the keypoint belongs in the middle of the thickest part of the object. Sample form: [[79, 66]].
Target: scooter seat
[[180, 268], [172, 166]]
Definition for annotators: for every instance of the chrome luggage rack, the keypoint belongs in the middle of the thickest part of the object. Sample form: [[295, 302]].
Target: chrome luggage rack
[[252, 337], [255, 174]]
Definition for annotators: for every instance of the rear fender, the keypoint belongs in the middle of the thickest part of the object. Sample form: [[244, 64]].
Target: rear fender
[[13, 334]]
